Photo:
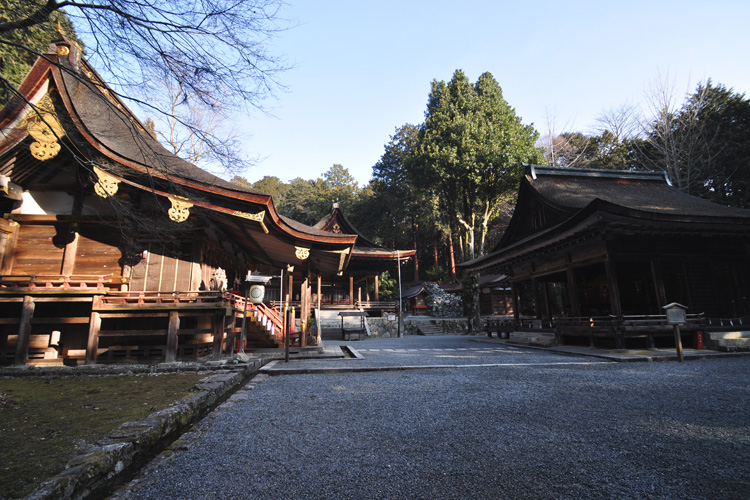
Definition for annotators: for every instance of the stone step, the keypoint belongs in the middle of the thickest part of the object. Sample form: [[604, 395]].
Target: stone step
[[738, 341], [426, 328], [729, 335]]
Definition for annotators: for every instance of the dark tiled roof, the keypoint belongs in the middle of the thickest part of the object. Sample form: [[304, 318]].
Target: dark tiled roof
[[648, 192], [115, 130]]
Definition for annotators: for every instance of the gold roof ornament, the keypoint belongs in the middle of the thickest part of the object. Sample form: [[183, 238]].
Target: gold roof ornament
[[256, 217], [180, 210], [46, 130], [301, 253], [106, 184]]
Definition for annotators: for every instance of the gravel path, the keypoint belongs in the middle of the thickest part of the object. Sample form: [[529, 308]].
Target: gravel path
[[543, 430]]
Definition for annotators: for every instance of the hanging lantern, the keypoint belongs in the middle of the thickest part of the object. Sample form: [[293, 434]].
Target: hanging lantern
[[257, 293]]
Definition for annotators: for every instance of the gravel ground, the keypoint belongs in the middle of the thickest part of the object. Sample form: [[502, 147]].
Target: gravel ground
[[540, 430]]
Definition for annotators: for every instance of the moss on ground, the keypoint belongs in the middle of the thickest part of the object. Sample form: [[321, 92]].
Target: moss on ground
[[46, 422]]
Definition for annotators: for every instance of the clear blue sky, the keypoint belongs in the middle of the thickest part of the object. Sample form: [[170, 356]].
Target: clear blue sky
[[364, 68]]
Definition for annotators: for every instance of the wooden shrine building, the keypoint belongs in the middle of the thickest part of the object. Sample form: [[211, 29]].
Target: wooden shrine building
[[368, 260], [594, 255], [113, 248]]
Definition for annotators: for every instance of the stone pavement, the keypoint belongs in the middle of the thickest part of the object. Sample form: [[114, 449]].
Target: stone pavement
[[454, 417]]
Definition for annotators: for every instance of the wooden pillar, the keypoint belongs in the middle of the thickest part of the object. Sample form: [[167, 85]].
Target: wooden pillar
[[95, 325], [573, 292], [306, 298], [217, 325], [289, 288], [351, 291], [359, 296], [514, 298], [24, 330], [319, 290], [535, 294], [377, 291], [656, 275], [614, 289], [174, 325], [317, 323], [69, 255]]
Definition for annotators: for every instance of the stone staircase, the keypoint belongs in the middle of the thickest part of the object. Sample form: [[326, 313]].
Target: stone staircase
[[427, 327], [738, 341]]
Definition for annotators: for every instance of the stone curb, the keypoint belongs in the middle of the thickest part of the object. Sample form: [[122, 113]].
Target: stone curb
[[623, 357], [135, 442]]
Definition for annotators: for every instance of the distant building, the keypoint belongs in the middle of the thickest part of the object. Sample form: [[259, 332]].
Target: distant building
[[612, 244], [368, 260]]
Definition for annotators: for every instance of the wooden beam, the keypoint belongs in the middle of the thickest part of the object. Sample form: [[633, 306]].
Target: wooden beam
[[174, 325], [24, 331]]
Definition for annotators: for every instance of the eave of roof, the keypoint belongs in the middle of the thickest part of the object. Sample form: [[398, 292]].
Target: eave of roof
[[103, 121]]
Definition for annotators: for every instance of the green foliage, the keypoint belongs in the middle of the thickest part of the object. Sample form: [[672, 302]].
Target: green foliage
[[20, 48], [387, 287], [705, 145], [307, 201], [471, 149], [603, 151], [300, 201], [273, 186]]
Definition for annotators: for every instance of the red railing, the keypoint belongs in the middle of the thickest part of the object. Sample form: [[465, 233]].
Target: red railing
[[271, 319]]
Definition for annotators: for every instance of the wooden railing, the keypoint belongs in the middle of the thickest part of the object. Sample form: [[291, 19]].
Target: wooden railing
[[155, 299], [56, 281]]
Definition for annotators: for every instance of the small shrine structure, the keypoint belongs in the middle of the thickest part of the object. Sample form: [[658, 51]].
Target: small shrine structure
[[368, 260]]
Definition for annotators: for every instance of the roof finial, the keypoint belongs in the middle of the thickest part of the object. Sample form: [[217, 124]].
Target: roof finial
[[335, 205], [59, 30]]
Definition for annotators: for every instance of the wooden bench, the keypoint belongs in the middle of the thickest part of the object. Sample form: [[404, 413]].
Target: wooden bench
[[358, 331]]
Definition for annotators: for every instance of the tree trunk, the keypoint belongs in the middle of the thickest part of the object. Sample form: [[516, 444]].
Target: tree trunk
[[415, 232], [452, 255], [435, 249]]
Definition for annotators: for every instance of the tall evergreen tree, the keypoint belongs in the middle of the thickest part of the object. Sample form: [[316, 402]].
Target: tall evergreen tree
[[471, 148]]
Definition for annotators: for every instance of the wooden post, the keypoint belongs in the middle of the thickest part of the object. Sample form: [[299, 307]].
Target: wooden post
[[359, 296], [318, 322], [351, 291], [217, 325], [614, 289], [174, 325], [24, 331], [95, 325], [678, 343], [304, 313], [69, 255], [377, 291], [289, 288]]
